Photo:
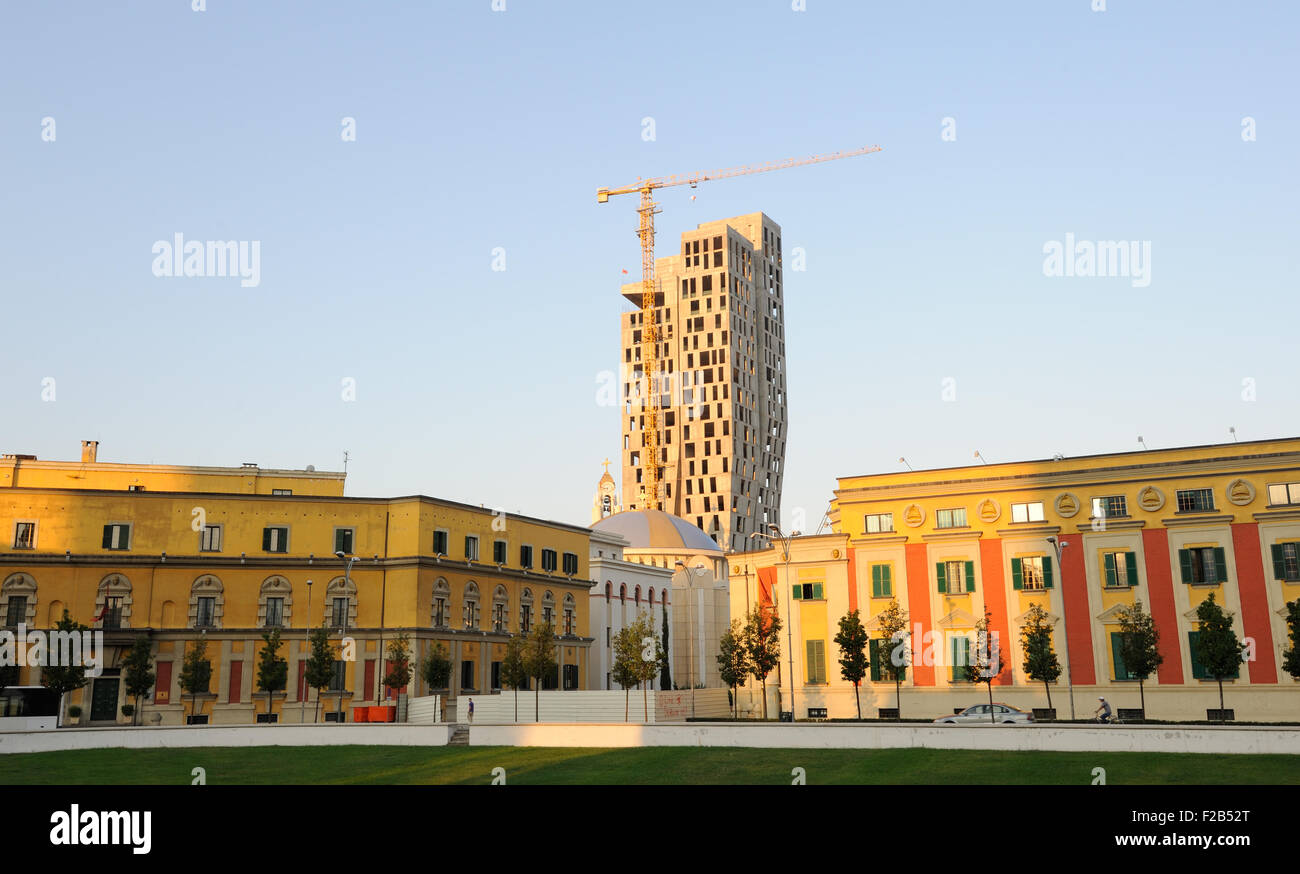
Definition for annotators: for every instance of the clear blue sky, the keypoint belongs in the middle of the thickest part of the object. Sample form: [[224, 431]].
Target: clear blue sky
[[479, 129]]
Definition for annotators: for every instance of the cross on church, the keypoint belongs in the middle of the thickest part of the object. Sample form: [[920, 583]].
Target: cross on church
[[607, 465]]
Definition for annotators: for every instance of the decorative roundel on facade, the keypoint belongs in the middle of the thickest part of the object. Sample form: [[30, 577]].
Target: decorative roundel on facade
[[988, 510], [1151, 499], [1240, 492], [1066, 504], [835, 553], [913, 516], [735, 568]]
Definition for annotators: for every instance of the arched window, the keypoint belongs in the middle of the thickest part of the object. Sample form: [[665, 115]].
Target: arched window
[[500, 609], [18, 600], [341, 603], [609, 590], [652, 596], [622, 591], [207, 602], [548, 607], [275, 603], [470, 609], [570, 613], [113, 602], [526, 611], [636, 596], [441, 603]]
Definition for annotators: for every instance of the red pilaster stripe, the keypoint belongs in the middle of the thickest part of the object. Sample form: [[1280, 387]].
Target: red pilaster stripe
[[918, 607], [853, 580], [995, 598], [1160, 582], [1078, 623], [1253, 587]]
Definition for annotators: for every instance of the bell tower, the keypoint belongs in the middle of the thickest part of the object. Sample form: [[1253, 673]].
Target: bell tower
[[606, 502]]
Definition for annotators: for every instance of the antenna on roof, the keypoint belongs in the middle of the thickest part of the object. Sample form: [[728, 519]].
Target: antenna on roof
[[1232, 429], [902, 460], [1144, 446]]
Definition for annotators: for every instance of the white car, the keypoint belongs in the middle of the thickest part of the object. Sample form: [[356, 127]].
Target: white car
[[1001, 714]]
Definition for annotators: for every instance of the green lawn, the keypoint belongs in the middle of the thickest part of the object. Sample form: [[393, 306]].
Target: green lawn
[[637, 766]]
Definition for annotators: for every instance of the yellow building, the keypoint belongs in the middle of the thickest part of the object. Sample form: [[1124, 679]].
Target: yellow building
[[1083, 538], [224, 554]]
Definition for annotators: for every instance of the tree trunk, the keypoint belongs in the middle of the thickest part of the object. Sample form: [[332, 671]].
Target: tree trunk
[[516, 703], [858, 698], [1048, 687], [765, 697], [1142, 696], [1220, 700], [626, 704], [992, 716], [645, 695], [537, 701], [898, 697]]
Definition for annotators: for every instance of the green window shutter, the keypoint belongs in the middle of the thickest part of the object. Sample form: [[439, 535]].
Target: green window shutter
[[108, 536], [1185, 564], [1117, 652], [810, 660], [1279, 562], [1131, 559], [817, 591], [886, 581], [1198, 672], [266, 539], [970, 576], [796, 591], [941, 572], [1047, 572], [1220, 565], [875, 581], [1017, 575], [878, 654], [1109, 561]]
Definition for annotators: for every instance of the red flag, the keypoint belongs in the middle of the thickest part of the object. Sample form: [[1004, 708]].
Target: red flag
[[624, 269]]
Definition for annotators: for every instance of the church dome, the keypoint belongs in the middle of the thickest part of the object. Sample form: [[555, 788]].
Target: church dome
[[655, 529]]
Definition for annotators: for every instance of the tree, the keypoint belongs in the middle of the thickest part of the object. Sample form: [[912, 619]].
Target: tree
[[539, 661], [627, 657], [733, 658], [137, 672], [436, 667], [399, 662], [666, 674], [514, 672], [1040, 663], [893, 628], [320, 665], [763, 645], [272, 668], [1217, 647], [986, 662], [196, 673], [650, 657], [1291, 658], [852, 641], [1139, 646], [62, 679]]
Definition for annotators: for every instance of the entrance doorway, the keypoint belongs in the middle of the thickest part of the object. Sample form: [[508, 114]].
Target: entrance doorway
[[103, 699]]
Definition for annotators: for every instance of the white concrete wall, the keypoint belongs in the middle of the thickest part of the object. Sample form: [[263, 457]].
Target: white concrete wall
[[181, 736], [594, 706], [424, 710]]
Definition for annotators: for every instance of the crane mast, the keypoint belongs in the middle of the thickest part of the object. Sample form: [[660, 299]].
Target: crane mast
[[651, 336]]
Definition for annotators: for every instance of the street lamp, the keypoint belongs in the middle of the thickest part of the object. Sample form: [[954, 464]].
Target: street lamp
[[1069, 679], [304, 689], [347, 584], [789, 614]]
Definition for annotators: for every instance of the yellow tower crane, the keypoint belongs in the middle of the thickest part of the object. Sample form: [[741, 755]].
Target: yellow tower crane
[[651, 399]]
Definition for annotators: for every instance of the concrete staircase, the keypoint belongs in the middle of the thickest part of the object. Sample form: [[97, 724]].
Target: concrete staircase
[[459, 736]]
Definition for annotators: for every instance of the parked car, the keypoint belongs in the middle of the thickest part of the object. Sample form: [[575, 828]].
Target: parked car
[[1002, 714]]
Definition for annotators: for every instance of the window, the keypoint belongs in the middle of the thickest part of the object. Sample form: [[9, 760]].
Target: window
[[17, 611], [525, 556], [1206, 564], [281, 491], [1031, 573], [1121, 569], [117, 536], [470, 608], [440, 542], [958, 577], [204, 617], [496, 676], [816, 661], [338, 682], [441, 598], [881, 651], [881, 581], [878, 523], [343, 540], [498, 616], [526, 611], [467, 675], [471, 548], [274, 612], [1283, 493], [570, 677], [1117, 655], [499, 551], [25, 535], [1109, 507], [569, 614], [954, 518], [113, 612], [210, 539], [1286, 561], [1199, 671], [339, 612], [1030, 512], [570, 563], [1195, 500], [549, 560], [275, 539], [807, 591], [960, 659]]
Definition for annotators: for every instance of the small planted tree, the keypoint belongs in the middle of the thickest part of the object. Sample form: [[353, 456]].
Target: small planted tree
[[1217, 647], [272, 668], [436, 667], [666, 672], [1139, 646], [986, 660], [1291, 658], [196, 673], [651, 657], [137, 672], [62, 679], [733, 659], [320, 665], [763, 645], [852, 641], [626, 667], [1041, 663], [893, 628], [399, 662], [539, 660], [514, 672]]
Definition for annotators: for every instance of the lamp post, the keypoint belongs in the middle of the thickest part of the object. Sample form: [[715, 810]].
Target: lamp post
[[303, 688], [347, 584], [1069, 679], [789, 614], [690, 626]]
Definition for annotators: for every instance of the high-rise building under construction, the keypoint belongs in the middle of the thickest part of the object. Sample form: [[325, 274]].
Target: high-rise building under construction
[[721, 315]]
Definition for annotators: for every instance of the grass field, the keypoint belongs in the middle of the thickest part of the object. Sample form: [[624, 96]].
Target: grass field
[[637, 766]]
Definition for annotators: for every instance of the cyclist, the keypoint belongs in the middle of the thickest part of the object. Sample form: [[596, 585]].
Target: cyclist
[[1103, 713]]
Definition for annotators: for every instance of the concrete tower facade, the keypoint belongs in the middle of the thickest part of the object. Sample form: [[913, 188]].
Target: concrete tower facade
[[721, 313]]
